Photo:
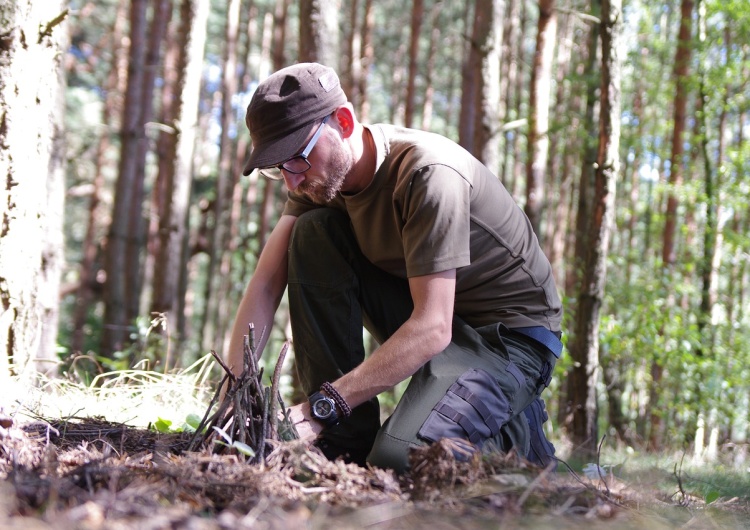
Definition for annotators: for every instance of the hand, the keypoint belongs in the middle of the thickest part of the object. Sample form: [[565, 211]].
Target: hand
[[307, 428]]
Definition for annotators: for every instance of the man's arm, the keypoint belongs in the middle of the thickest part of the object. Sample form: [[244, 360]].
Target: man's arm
[[426, 333], [263, 293]]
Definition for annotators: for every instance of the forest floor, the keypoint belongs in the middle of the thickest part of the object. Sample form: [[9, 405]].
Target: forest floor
[[93, 474]]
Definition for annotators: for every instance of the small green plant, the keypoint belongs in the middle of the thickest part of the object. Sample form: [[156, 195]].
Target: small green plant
[[191, 423], [234, 444]]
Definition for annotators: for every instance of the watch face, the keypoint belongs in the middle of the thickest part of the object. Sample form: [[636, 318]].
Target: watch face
[[322, 408]]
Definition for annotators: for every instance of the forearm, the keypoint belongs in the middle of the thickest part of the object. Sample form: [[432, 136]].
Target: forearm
[[395, 360], [263, 294], [257, 307]]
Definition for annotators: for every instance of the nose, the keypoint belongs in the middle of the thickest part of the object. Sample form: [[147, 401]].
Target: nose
[[292, 180]]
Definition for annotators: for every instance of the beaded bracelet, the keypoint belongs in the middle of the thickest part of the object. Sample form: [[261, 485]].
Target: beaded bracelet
[[346, 410]]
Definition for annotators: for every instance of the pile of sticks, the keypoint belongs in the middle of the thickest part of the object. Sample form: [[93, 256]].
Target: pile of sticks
[[246, 417]]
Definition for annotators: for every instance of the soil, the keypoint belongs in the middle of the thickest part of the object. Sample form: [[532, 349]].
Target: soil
[[92, 474]]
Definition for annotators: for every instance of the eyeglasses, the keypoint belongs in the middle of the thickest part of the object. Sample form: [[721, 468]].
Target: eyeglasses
[[298, 163]]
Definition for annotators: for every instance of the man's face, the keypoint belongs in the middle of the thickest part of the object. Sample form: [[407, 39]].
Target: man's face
[[330, 163]]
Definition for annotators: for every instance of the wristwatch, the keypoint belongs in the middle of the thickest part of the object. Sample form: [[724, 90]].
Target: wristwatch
[[323, 409]]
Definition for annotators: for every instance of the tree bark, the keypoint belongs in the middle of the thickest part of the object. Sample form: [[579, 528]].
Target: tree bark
[[585, 342], [31, 154], [136, 241], [366, 59], [89, 268], [539, 94], [319, 31], [417, 13], [470, 72], [560, 173], [350, 65], [222, 205], [118, 279], [486, 130], [172, 254], [513, 94], [681, 74], [429, 91]]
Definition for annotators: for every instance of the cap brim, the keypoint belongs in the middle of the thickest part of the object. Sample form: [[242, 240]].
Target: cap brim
[[276, 151]]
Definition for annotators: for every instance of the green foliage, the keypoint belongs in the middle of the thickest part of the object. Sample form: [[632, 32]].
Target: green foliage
[[651, 317], [191, 424], [240, 447]]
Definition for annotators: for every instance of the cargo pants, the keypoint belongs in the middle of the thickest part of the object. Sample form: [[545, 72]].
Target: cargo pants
[[476, 389]]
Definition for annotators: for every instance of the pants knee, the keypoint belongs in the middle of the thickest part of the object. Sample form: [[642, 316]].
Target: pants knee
[[389, 453]]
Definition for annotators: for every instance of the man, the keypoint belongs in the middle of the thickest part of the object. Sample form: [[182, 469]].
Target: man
[[406, 233]]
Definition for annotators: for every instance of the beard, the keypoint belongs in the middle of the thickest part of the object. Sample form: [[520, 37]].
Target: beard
[[337, 167]]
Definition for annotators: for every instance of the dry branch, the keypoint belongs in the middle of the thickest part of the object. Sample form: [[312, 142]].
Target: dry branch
[[245, 416]]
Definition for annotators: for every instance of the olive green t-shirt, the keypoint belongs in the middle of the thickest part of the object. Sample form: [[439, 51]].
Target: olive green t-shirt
[[432, 207]]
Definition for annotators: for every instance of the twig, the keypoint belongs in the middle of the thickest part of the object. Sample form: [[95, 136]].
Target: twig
[[275, 385], [678, 476], [47, 31], [598, 467], [247, 411], [532, 486]]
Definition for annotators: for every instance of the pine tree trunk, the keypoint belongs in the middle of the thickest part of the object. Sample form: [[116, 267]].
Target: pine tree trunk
[[89, 269], [539, 94], [486, 130], [417, 13], [281, 11], [681, 73], [512, 94], [470, 73], [319, 31], [222, 205], [585, 344], [429, 91], [350, 66], [119, 280], [31, 154], [366, 59], [559, 173], [169, 286]]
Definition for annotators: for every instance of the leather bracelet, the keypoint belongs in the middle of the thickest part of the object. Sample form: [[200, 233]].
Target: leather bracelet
[[344, 407]]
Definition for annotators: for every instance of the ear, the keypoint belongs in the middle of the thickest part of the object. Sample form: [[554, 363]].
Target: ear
[[345, 118]]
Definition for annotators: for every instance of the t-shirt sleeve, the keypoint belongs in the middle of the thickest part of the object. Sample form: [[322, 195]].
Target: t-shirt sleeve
[[436, 221]]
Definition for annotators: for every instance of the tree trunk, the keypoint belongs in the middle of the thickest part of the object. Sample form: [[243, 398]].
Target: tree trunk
[[429, 90], [366, 59], [539, 94], [681, 80], [119, 281], [319, 31], [278, 55], [417, 13], [513, 94], [136, 242], [558, 170], [712, 236], [172, 253], [350, 66], [585, 342], [226, 179], [470, 73], [89, 268], [31, 154], [486, 130]]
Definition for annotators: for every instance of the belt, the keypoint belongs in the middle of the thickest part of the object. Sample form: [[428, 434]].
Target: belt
[[544, 336]]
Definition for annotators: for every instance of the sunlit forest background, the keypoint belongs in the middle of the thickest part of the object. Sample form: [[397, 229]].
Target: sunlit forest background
[[129, 235]]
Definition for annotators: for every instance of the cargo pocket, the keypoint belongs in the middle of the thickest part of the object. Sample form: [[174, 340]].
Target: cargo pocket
[[474, 408]]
